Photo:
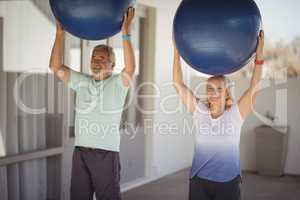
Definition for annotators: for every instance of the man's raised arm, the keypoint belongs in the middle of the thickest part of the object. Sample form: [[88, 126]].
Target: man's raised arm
[[56, 64]]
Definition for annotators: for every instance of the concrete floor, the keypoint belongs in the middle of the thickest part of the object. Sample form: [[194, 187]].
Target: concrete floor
[[254, 187]]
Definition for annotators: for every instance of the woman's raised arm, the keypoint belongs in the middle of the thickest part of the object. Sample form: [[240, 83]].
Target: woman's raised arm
[[186, 95], [248, 99]]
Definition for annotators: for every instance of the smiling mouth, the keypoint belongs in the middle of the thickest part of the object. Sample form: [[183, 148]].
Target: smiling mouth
[[96, 71], [100, 71], [214, 98]]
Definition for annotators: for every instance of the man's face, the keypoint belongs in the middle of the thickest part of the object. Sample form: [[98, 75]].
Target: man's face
[[101, 65]]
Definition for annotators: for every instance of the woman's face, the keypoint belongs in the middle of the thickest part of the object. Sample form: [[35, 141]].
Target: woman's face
[[216, 92]]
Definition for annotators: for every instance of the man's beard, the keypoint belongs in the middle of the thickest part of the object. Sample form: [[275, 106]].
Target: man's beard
[[100, 75]]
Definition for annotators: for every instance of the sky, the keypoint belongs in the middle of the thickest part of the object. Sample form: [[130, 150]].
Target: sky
[[280, 19]]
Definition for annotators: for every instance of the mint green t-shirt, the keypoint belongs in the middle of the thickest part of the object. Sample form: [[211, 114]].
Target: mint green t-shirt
[[99, 106]]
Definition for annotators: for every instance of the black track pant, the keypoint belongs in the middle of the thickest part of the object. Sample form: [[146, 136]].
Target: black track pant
[[95, 171], [202, 189]]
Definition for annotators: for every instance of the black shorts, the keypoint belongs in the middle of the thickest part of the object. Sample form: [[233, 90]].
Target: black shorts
[[202, 189], [95, 171]]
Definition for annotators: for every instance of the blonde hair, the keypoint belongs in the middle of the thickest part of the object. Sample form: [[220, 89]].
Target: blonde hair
[[109, 50], [229, 98]]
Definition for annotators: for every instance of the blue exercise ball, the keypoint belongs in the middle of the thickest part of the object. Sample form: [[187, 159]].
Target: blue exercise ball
[[90, 19], [217, 36]]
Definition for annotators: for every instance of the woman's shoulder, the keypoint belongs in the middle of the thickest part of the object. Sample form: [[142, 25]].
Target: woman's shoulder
[[235, 112]]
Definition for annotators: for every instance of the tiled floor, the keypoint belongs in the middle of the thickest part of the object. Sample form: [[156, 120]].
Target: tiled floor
[[254, 187]]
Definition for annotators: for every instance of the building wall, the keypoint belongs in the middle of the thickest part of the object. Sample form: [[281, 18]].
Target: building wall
[[171, 149], [28, 36], [281, 100]]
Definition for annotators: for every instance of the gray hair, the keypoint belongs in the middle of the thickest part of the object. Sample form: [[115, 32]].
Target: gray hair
[[109, 50]]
